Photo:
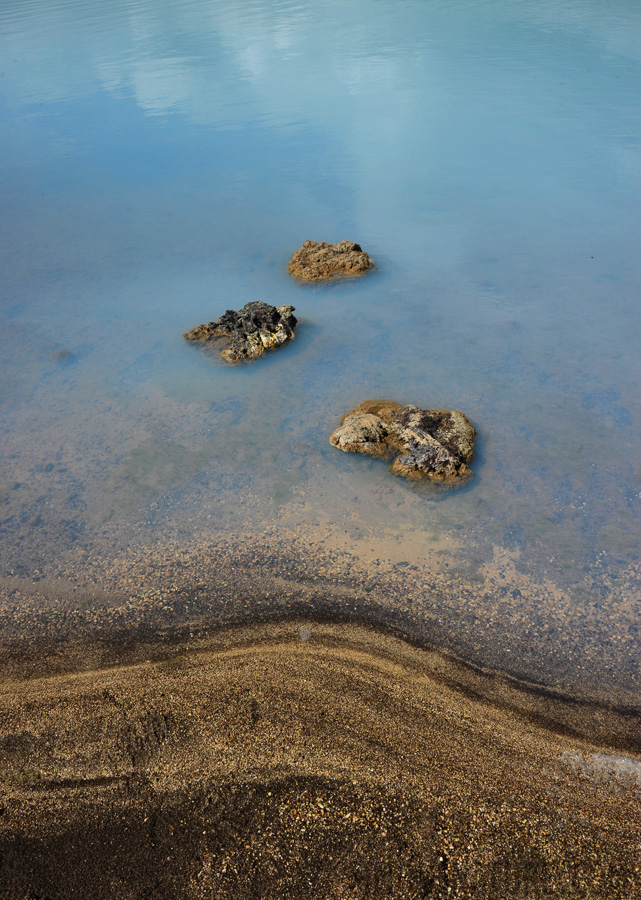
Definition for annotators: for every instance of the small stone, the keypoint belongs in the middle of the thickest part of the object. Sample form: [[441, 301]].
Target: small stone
[[61, 355], [423, 443], [315, 261], [257, 327]]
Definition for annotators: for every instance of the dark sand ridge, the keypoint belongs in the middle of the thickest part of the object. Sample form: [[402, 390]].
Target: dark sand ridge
[[104, 608], [155, 743]]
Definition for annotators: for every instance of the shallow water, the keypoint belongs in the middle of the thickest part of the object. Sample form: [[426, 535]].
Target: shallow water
[[160, 164]]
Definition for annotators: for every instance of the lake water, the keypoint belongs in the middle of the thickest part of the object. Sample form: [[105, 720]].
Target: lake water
[[161, 162]]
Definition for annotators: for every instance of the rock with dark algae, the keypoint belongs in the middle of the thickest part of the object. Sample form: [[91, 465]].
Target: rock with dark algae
[[427, 443], [251, 331], [315, 261]]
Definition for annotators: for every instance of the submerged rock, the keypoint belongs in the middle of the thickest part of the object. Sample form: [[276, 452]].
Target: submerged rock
[[431, 443], [315, 261], [257, 327]]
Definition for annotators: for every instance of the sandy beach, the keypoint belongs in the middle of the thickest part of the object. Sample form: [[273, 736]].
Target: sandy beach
[[151, 748]]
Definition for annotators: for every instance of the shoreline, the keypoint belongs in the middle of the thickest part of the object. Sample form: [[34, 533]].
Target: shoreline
[[254, 757], [148, 642], [258, 716], [95, 611]]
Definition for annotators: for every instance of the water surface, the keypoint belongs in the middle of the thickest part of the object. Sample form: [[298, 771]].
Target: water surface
[[161, 163]]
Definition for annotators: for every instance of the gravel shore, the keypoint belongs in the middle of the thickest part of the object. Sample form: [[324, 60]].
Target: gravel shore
[[201, 725], [302, 759]]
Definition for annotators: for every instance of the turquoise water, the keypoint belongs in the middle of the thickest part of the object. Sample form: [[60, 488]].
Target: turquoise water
[[160, 163]]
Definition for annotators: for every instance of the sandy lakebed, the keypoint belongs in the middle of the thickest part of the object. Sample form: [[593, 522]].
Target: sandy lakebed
[[263, 719]]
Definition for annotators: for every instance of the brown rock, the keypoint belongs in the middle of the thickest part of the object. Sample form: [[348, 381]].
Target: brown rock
[[315, 261], [426, 443]]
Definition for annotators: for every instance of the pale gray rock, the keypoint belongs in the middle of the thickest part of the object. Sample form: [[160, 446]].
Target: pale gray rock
[[423, 443]]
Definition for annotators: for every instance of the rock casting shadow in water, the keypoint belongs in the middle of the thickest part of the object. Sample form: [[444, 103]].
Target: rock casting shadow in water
[[317, 261], [433, 443], [253, 330]]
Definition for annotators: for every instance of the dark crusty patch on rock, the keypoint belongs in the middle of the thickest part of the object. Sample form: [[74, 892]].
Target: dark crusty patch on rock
[[315, 261], [251, 331], [433, 443]]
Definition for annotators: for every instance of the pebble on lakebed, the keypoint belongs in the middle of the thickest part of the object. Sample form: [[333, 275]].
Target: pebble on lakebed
[[428, 443], [316, 260], [251, 331]]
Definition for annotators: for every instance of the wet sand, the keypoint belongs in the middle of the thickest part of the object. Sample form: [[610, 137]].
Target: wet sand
[[301, 759], [215, 725], [269, 716]]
